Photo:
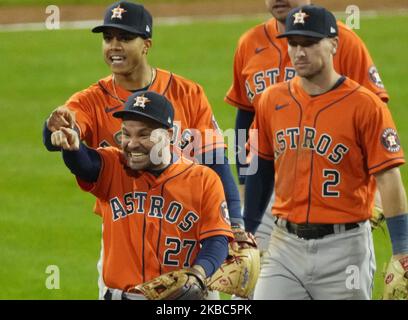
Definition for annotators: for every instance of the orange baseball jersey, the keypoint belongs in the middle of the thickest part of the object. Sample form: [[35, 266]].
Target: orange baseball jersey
[[193, 116], [153, 225], [95, 105], [262, 60], [325, 149]]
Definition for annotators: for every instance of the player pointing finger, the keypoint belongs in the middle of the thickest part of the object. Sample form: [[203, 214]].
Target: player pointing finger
[[61, 117], [65, 138]]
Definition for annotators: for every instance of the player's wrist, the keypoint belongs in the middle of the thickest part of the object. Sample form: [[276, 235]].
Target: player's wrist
[[398, 229], [200, 269], [237, 223], [47, 124], [199, 273], [250, 224]]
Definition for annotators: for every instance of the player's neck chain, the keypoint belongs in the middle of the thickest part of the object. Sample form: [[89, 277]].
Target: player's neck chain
[[153, 76]]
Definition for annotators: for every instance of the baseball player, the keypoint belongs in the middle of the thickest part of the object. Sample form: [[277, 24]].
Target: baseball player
[[324, 138], [156, 212], [262, 60], [127, 39]]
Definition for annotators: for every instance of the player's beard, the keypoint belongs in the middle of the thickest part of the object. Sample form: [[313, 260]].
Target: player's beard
[[138, 162], [151, 161]]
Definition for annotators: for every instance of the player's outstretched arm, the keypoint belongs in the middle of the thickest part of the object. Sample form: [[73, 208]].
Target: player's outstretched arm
[[84, 162], [47, 133], [59, 118], [394, 202]]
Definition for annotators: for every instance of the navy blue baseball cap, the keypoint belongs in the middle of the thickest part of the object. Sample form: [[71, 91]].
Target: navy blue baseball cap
[[150, 105], [310, 21], [128, 16]]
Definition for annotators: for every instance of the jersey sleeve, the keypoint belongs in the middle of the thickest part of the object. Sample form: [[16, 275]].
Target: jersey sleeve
[[379, 138], [236, 95], [109, 165], [260, 142], [81, 104], [209, 134], [214, 211], [356, 63]]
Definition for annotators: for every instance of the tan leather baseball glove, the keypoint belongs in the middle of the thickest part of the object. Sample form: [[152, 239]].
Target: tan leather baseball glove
[[239, 273], [183, 284], [396, 279]]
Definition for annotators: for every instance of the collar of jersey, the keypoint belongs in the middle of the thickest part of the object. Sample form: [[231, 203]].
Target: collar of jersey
[[159, 84], [324, 98], [176, 168]]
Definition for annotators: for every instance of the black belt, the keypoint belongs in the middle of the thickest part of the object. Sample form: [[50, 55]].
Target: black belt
[[108, 296], [317, 230]]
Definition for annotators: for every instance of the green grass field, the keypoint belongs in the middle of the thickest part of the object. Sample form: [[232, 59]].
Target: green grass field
[[44, 218]]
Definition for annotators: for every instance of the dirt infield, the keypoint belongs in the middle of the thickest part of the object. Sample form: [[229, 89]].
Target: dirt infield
[[9, 15]]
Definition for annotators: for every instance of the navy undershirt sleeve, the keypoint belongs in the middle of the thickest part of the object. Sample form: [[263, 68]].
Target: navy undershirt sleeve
[[258, 191], [47, 139], [85, 163], [217, 161], [243, 121], [212, 254]]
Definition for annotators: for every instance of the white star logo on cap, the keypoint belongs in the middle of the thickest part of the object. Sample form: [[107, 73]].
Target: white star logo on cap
[[141, 101], [147, 28], [117, 12], [332, 30], [300, 17]]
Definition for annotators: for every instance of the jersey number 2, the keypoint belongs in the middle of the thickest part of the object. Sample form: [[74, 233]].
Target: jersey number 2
[[333, 180]]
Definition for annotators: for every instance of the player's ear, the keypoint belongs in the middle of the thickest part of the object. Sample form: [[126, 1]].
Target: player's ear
[[170, 133], [147, 45], [334, 43]]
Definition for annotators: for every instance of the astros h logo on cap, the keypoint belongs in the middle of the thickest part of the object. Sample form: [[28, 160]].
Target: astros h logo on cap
[[127, 16], [310, 21], [148, 104], [300, 17], [117, 12], [140, 101]]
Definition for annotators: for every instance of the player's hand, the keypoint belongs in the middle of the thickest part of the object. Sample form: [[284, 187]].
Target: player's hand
[[242, 239], [61, 117], [377, 218], [65, 138]]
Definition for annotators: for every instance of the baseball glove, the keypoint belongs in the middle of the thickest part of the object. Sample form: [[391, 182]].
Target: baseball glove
[[377, 218], [239, 272], [183, 284], [396, 279]]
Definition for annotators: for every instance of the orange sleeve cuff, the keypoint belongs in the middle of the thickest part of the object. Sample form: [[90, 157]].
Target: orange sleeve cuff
[[388, 164]]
